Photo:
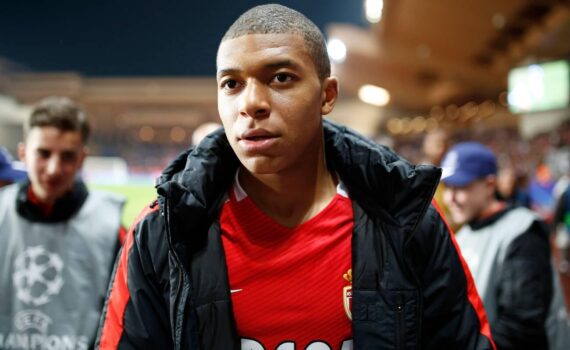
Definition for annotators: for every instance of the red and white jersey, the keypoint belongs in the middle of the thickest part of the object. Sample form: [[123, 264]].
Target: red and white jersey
[[291, 287]]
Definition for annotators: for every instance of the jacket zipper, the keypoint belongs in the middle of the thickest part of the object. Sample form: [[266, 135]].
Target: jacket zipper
[[178, 322], [407, 264]]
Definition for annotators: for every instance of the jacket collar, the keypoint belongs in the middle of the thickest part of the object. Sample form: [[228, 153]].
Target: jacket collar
[[384, 184], [478, 224], [63, 208]]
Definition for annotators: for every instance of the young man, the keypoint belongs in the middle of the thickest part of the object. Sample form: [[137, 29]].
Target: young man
[[508, 253], [57, 240], [287, 232]]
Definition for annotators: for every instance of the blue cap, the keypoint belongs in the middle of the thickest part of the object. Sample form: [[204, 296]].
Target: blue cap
[[7, 170], [466, 162]]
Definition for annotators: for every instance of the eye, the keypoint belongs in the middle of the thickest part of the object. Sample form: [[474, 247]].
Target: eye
[[283, 78], [229, 84], [69, 157], [44, 153]]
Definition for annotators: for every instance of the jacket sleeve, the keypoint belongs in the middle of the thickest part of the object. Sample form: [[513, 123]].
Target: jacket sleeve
[[524, 291], [136, 311], [453, 313]]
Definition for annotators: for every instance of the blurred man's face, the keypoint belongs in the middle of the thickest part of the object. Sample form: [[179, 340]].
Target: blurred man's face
[[52, 158], [271, 101], [469, 202], [506, 182], [435, 145]]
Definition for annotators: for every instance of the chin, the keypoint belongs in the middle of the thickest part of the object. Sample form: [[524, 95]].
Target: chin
[[259, 169], [457, 219], [461, 221], [260, 165]]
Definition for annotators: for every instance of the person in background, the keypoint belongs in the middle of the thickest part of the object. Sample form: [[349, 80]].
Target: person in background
[[511, 186], [508, 252], [434, 146], [561, 230], [541, 192], [287, 231], [9, 171], [58, 241]]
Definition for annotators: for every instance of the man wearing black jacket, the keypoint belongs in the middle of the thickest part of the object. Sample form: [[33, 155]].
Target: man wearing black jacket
[[284, 231]]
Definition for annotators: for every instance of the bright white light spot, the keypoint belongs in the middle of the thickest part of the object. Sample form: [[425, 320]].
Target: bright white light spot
[[337, 50], [373, 10], [374, 95]]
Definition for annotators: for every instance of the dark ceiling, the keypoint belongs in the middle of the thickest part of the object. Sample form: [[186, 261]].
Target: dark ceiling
[[425, 53], [430, 53]]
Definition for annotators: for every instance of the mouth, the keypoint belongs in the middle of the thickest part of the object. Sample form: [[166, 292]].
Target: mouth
[[256, 135], [257, 140]]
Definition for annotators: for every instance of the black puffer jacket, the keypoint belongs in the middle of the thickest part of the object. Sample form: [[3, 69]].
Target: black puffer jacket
[[410, 287]]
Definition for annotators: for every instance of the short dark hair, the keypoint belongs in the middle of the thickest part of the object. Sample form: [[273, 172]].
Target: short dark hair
[[278, 19], [59, 112]]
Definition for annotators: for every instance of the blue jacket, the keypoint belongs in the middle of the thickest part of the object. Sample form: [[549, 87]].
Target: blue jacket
[[411, 289]]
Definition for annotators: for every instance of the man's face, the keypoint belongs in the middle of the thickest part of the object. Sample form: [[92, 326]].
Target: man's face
[[469, 202], [271, 101], [52, 158], [434, 146]]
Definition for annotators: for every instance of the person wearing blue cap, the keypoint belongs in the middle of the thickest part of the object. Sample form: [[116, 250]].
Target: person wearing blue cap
[[508, 253], [9, 172]]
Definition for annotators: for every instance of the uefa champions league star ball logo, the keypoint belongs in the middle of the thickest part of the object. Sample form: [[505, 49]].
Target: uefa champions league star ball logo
[[37, 275]]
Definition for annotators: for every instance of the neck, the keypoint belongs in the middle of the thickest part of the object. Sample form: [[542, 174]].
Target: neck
[[45, 205], [492, 209], [293, 196]]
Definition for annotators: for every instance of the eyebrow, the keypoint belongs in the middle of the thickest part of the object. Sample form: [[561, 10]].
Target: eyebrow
[[281, 63], [284, 63]]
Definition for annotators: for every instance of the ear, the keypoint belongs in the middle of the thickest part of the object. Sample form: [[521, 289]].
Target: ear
[[22, 152], [329, 95], [491, 182], [85, 152]]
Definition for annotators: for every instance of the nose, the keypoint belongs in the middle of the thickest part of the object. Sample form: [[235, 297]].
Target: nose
[[254, 100], [455, 194], [53, 166]]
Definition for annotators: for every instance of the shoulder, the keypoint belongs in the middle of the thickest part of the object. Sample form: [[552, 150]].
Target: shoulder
[[149, 220], [103, 210], [8, 195], [433, 223], [532, 240], [148, 234], [9, 191], [518, 221], [433, 235]]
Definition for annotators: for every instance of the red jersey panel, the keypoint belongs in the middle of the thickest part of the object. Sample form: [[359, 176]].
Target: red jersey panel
[[291, 287]]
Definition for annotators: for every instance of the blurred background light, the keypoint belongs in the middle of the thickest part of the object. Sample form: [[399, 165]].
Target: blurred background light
[[374, 95], [146, 133], [178, 134]]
